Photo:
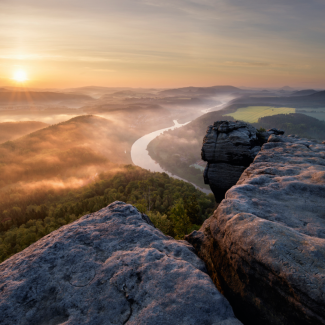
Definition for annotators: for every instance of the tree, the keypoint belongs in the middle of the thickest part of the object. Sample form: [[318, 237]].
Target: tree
[[192, 209], [161, 222], [180, 219]]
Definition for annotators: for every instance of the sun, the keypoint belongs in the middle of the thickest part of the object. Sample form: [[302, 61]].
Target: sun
[[20, 76]]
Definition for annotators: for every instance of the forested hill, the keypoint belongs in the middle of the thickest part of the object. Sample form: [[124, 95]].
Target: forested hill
[[78, 148], [14, 130], [294, 123], [174, 206]]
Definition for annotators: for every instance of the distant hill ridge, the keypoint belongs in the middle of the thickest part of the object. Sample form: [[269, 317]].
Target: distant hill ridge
[[36, 96], [319, 94], [304, 92], [200, 91], [316, 99]]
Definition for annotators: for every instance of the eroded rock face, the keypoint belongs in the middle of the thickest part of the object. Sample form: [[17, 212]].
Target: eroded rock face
[[229, 148], [264, 246], [109, 267]]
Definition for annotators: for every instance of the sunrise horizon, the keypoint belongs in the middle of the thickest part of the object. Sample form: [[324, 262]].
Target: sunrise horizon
[[163, 45]]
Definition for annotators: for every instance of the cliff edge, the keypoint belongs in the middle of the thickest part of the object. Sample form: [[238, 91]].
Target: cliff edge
[[264, 246], [110, 267]]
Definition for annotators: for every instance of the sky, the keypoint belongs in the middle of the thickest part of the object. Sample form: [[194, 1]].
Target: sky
[[163, 43]]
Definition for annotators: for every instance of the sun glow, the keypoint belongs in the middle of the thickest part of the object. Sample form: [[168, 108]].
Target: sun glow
[[20, 76]]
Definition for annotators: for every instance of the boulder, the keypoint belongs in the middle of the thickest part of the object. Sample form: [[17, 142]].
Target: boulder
[[275, 131], [229, 148], [109, 267], [264, 246]]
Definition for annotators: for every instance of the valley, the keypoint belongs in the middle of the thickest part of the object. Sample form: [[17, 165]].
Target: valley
[[162, 162], [42, 163]]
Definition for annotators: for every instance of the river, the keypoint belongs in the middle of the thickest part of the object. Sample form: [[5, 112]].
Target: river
[[141, 158], [140, 155]]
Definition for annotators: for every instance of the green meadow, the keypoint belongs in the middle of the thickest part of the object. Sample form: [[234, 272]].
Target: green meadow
[[251, 114]]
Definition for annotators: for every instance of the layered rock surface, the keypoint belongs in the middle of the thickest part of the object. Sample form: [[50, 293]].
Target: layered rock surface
[[110, 267], [264, 246], [229, 148]]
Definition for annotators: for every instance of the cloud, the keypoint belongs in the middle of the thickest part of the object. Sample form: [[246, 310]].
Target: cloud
[[254, 64], [246, 64], [163, 38]]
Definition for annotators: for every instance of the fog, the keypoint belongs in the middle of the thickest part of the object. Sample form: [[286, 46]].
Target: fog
[[76, 144]]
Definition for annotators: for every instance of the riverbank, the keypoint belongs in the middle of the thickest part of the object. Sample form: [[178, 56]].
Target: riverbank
[[140, 155]]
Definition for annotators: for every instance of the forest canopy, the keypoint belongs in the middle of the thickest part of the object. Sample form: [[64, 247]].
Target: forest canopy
[[295, 123], [174, 206]]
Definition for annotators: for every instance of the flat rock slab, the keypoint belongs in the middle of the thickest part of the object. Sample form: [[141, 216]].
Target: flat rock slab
[[265, 244], [109, 267]]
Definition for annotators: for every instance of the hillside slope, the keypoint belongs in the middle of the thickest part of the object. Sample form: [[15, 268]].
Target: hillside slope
[[12, 97], [295, 123], [80, 147], [14, 130]]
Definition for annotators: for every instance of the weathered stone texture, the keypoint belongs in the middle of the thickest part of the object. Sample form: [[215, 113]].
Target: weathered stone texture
[[264, 246], [229, 148], [109, 267]]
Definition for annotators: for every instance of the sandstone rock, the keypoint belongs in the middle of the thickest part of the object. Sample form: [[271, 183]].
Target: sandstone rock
[[109, 267], [275, 138], [275, 131], [264, 247], [229, 148]]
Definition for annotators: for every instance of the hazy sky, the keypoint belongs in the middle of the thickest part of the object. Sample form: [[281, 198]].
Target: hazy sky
[[163, 43]]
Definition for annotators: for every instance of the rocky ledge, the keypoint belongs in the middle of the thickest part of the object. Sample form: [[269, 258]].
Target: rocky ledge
[[110, 267], [229, 148], [264, 246]]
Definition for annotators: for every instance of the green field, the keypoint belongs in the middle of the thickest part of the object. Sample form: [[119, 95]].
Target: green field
[[251, 114]]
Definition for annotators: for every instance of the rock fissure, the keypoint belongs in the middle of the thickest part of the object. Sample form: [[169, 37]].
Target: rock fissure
[[130, 301]]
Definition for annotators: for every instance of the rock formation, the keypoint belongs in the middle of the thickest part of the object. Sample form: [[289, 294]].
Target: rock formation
[[229, 148], [109, 267], [264, 246]]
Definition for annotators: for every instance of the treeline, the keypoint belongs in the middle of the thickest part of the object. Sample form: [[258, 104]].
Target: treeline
[[294, 123], [174, 206]]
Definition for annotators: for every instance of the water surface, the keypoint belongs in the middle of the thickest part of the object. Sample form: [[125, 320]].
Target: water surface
[[141, 157]]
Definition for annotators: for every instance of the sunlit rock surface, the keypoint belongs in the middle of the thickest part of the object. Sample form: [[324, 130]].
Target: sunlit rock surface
[[264, 246], [109, 267]]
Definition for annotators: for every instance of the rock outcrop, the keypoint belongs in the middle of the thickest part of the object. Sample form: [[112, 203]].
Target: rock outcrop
[[109, 267], [229, 148], [264, 246]]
